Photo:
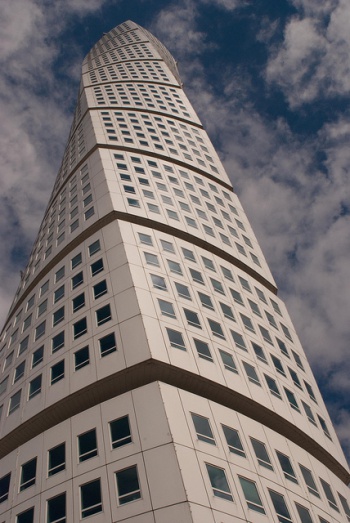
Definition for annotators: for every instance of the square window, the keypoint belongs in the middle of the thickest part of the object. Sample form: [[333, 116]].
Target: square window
[[216, 329], [219, 482], [91, 498], [78, 302], [182, 290], [103, 315], [81, 358], [158, 282], [35, 387], [120, 432], [96, 267], [237, 297], [166, 308], [203, 350], [203, 429], [87, 444], [57, 372], [176, 339], [94, 247], [238, 339], [272, 385], [259, 353], [57, 459], [28, 474], [251, 373], [128, 485], [76, 261], [206, 301], [107, 344], [100, 289], [56, 509], [228, 361], [192, 318], [146, 239]]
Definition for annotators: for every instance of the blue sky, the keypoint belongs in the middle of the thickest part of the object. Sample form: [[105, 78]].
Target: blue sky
[[270, 82]]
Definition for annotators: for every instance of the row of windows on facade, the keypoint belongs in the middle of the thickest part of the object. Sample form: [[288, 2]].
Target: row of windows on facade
[[205, 434], [176, 340]]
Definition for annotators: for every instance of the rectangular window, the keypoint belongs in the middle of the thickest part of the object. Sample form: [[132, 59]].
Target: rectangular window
[[309, 480], [158, 282], [96, 267], [228, 361], [174, 267], [237, 297], [87, 444], [176, 339], [76, 260], [282, 347], [151, 259], [265, 334], [203, 350], [40, 330], [287, 467], [239, 341], [329, 495], [35, 387], [58, 316], [5, 487], [259, 353], [77, 280], [42, 308], [292, 399], [309, 413], [28, 474], [79, 328], [128, 485], [15, 401], [26, 517], [280, 507], [227, 311], [197, 276], [107, 344], [261, 453], [255, 308], [295, 378], [78, 302], [91, 498], [216, 329], [81, 358], [58, 294], [103, 315], [217, 286], [219, 482], [304, 514], [94, 247], [192, 318], [57, 372], [251, 373], [278, 365], [251, 495], [23, 346], [58, 342], [19, 371], [57, 459], [233, 441], [272, 385], [100, 289], [183, 291], [324, 426], [59, 274], [206, 301], [56, 509], [166, 308], [203, 429], [3, 385], [345, 506], [120, 432], [298, 360]]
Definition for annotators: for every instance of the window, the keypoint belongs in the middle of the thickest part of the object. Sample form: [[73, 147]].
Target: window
[[158, 282], [3, 385], [35, 387], [345, 506], [280, 507], [192, 318], [56, 509], [167, 246], [78, 302], [283, 347], [8, 361], [272, 385], [310, 391], [251, 373], [265, 334], [203, 429], [94, 247], [203, 350], [15, 401], [206, 300], [176, 339], [298, 360], [76, 261], [77, 280], [237, 296], [228, 361], [309, 413], [292, 399], [295, 378], [329, 495], [324, 426], [19, 372], [40, 330], [219, 482], [23, 346], [120, 432], [259, 353], [81, 358], [91, 499], [58, 294], [216, 328], [309, 480], [261, 453], [57, 372], [96, 267], [166, 308], [217, 286], [58, 316], [59, 274], [183, 291], [251, 495], [227, 311], [128, 485], [28, 473], [151, 259], [196, 276], [42, 308], [100, 289], [245, 284], [278, 365], [44, 288], [271, 320], [227, 273], [304, 514], [103, 315], [87, 444], [233, 441], [107, 344], [26, 517], [286, 467], [188, 255], [57, 342], [174, 267], [4, 487], [57, 459], [80, 328], [239, 341], [286, 332]]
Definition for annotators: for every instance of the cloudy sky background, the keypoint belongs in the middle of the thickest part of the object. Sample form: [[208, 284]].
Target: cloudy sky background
[[270, 82]]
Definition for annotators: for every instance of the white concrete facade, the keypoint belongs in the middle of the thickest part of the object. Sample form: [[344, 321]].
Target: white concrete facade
[[149, 371]]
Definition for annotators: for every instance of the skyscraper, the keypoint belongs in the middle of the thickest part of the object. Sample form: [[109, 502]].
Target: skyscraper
[[149, 371]]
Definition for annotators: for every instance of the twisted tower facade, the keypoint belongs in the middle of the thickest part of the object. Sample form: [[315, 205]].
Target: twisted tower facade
[[149, 371]]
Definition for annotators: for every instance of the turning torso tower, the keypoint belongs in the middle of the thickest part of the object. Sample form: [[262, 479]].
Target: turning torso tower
[[149, 372]]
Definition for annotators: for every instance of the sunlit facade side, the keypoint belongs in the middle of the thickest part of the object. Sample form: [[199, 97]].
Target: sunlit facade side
[[149, 371]]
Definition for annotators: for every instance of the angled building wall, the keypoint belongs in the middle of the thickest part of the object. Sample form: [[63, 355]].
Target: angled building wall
[[149, 371]]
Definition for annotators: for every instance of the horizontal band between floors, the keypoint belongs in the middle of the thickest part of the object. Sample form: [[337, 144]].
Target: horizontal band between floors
[[151, 371], [151, 224]]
